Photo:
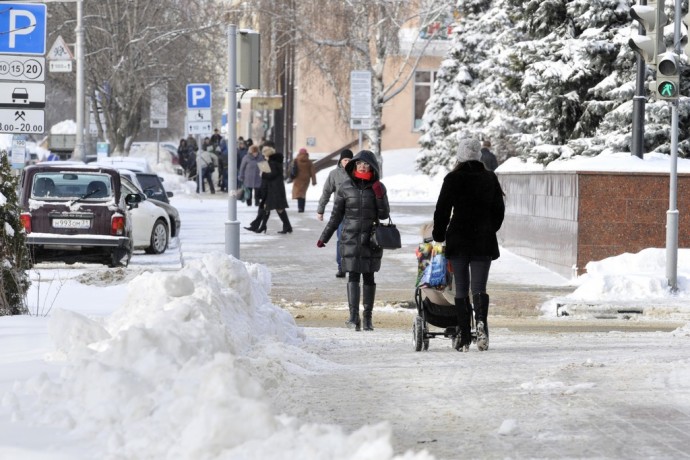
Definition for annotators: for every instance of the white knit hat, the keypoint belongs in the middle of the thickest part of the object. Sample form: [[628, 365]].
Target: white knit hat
[[469, 149]]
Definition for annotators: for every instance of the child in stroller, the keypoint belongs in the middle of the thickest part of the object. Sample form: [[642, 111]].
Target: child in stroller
[[435, 296]]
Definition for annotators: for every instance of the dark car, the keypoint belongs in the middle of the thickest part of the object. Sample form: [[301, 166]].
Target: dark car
[[76, 213], [152, 184]]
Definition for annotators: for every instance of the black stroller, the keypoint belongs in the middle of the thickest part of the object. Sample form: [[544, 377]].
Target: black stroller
[[435, 307]]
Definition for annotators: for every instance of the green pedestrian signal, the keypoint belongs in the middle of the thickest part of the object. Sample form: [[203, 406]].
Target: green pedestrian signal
[[667, 89], [668, 76]]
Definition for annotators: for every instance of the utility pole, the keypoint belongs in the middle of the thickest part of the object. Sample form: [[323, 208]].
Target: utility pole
[[672, 213], [639, 99], [232, 225], [79, 153]]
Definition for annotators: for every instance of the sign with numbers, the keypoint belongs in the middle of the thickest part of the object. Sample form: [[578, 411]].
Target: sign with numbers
[[22, 68]]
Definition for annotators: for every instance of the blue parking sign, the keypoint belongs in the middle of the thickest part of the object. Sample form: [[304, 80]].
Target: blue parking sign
[[23, 27], [199, 96]]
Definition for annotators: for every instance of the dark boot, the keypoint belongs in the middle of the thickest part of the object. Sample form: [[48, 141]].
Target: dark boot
[[368, 295], [264, 222], [300, 204], [464, 310], [481, 313], [254, 225], [287, 228], [353, 303]]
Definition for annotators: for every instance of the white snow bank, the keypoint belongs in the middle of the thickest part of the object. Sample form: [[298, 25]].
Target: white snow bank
[[182, 370]]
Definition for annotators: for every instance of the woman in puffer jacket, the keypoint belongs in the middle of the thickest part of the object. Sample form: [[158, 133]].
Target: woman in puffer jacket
[[359, 202]]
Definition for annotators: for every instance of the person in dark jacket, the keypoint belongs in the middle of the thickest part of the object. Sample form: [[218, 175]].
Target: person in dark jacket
[[488, 158], [335, 178], [272, 191], [360, 201], [469, 212]]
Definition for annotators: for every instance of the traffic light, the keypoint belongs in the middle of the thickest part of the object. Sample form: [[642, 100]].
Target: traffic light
[[668, 76], [653, 19]]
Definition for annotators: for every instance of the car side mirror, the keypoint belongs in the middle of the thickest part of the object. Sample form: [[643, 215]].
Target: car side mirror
[[169, 194], [133, 200]]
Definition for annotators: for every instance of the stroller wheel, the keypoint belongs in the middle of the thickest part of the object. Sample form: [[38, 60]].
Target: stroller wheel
[[418, 334]]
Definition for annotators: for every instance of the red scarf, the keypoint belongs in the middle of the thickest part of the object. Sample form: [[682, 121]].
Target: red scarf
[[363, 175]]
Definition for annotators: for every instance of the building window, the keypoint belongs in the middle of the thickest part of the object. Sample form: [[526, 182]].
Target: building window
[[423, 88]]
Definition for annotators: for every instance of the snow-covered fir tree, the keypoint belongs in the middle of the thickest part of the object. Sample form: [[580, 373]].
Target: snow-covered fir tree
[[14, 260], [545, 79]]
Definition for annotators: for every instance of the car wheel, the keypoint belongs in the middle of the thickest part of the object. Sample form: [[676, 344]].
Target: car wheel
[[159, 238]]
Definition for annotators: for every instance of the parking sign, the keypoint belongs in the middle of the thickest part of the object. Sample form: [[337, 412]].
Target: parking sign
[[24, 28], [199, 96]]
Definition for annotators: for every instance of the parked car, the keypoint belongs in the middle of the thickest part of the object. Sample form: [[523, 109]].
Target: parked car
[[152, 185], [151, 227], [76, 213], [132, 163], [129, 180]]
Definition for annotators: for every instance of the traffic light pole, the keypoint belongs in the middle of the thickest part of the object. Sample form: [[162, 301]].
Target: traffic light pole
[[639, 99], [672, 213]]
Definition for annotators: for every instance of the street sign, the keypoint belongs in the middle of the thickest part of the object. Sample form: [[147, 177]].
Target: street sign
[[22, 94], [360, 94], [59, 66], [22, 68], [361, 123], [199, 115], [267, 103], [199, 127], [17, 121], [199, 96], [18, 157], [23, 27], [59, 51], [159, 106]]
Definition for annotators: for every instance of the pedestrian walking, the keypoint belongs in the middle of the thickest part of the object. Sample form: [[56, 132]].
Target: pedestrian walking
[[306, 172], [469, 212], [488, 158], [360, 201], [250, 175], [272, 191], [335, 178], [208, 162]]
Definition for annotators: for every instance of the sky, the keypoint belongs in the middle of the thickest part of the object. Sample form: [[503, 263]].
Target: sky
[[185, 362]]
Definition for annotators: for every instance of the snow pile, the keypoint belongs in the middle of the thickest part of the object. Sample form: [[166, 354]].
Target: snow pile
[[634, 279], [182, 370], [64, 127]]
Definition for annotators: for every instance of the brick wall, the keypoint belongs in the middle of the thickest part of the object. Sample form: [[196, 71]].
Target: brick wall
[[563, 220]]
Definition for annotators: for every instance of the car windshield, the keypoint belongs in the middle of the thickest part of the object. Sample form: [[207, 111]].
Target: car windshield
[[72, 185]]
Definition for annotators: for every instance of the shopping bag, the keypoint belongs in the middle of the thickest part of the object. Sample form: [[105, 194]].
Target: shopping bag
[[435, 273]]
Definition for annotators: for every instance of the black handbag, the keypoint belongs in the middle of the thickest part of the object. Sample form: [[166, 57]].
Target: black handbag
[[384, 236]]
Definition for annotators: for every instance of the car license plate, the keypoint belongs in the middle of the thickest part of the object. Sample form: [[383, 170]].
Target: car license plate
[[71, 223]]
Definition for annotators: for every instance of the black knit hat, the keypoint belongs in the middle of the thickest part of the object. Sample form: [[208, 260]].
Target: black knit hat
[[347, 153]]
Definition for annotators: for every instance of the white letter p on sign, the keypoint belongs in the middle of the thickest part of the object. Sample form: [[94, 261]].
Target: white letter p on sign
[[25, 30], [197, 93]]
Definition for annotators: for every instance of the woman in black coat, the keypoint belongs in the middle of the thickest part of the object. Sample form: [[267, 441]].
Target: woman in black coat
[[273, 193], [473, 197], [360, 201]]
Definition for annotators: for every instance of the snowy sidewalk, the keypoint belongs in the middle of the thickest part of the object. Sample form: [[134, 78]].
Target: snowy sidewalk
[[532, 395]]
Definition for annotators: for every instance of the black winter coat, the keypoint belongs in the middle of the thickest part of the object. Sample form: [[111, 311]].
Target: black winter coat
[[272, 185], [474, 197], [358, 208]]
